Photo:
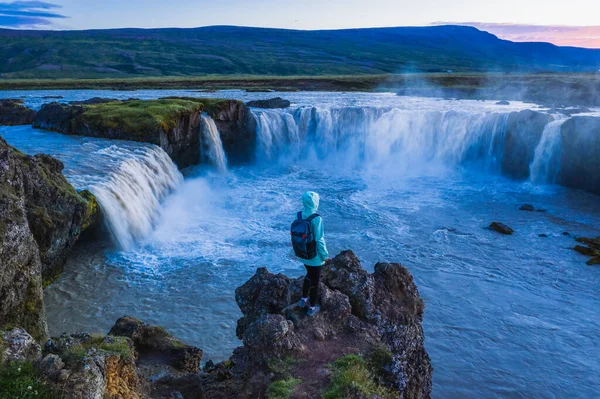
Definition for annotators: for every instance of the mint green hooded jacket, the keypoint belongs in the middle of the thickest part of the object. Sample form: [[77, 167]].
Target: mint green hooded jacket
[[310, 201]]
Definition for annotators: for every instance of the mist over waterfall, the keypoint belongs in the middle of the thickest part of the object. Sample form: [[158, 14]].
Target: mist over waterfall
[[131, 195], [211, 147], [372, 136], [546, 165]]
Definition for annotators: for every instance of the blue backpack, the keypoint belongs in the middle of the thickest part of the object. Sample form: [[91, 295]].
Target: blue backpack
[[303, 237]]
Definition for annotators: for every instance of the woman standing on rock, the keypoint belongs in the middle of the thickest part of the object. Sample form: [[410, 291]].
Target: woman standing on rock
[[308, 240]]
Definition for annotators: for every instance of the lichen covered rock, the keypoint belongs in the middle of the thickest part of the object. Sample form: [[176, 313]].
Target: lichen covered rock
[[41, 218]]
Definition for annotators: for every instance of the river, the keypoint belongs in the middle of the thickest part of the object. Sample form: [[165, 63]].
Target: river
[[402, 179]]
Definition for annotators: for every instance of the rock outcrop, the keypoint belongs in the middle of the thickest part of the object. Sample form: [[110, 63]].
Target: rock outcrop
[[276, 102], [580, 154], [172, 123], [13, 112], [154, 344], [376, 315], [41, 217], [523, 133]]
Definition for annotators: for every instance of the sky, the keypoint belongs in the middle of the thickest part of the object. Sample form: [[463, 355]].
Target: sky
[[565, 23]]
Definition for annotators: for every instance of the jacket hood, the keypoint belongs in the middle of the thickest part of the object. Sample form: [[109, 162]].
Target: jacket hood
[[310, 201]]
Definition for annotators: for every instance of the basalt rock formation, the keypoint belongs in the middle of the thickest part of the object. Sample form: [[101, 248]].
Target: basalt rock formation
[[276, 102], [523, 133], [375, 316], [41, 217], [580, 154], [172, 123], [13, 112]]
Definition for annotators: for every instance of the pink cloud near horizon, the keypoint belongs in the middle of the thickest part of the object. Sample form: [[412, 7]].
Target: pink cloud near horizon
[[577, 36]]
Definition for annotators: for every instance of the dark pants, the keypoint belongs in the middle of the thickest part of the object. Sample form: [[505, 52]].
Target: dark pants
[[311, 283]]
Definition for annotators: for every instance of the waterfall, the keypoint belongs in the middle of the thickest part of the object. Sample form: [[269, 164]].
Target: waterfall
[[545, 165], [131, 195], [211, 147], [372, 136]]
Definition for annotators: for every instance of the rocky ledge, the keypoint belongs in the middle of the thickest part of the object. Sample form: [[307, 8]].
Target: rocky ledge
[[41, 218], [367, 342], [172, 123], [13, 112], [369, 326]]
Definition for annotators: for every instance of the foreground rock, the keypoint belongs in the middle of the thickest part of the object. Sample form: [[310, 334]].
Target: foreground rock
[[172, 123], [82, 366], [377, 316], [41, 217], [276, 102], [13, 112], [155, 345]]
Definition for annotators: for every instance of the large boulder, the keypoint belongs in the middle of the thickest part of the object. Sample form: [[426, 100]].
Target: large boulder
[[580, 154], [523, 133], [13, 112], [361, 313], [156, 343], [41, 217]]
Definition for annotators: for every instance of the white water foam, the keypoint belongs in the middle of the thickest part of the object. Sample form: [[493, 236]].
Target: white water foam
[[545, 165], [211, 147], [131, 195]]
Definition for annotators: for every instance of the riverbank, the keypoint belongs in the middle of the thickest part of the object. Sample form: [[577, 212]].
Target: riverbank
[[545, 88]]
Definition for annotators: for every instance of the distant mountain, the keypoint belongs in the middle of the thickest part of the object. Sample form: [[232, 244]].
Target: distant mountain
[[228, 50]]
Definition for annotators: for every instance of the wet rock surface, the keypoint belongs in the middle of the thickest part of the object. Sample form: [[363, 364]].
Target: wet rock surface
[[501, 228], [580, 154], [13, 112], [590, 248], [276, 102], [523, 133]]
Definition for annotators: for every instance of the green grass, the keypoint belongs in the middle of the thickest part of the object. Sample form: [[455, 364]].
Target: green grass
[[282, 389], [19, 380], [142, 119], [351, 376], [116, 345]]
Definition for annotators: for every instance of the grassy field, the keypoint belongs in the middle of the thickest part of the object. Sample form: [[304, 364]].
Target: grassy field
[[549, 88]]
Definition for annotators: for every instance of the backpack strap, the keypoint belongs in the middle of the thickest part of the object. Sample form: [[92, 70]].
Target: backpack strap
[[313, 216], [300, 215]]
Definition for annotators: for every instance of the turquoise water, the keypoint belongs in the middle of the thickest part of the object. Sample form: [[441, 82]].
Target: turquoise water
[[506, 316]]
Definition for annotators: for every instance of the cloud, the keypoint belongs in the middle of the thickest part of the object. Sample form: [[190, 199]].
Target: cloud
[[579, 36], [28, 14]]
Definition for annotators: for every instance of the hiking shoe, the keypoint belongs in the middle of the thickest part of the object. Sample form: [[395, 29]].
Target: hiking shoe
[[311, 311], [302, 303]]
